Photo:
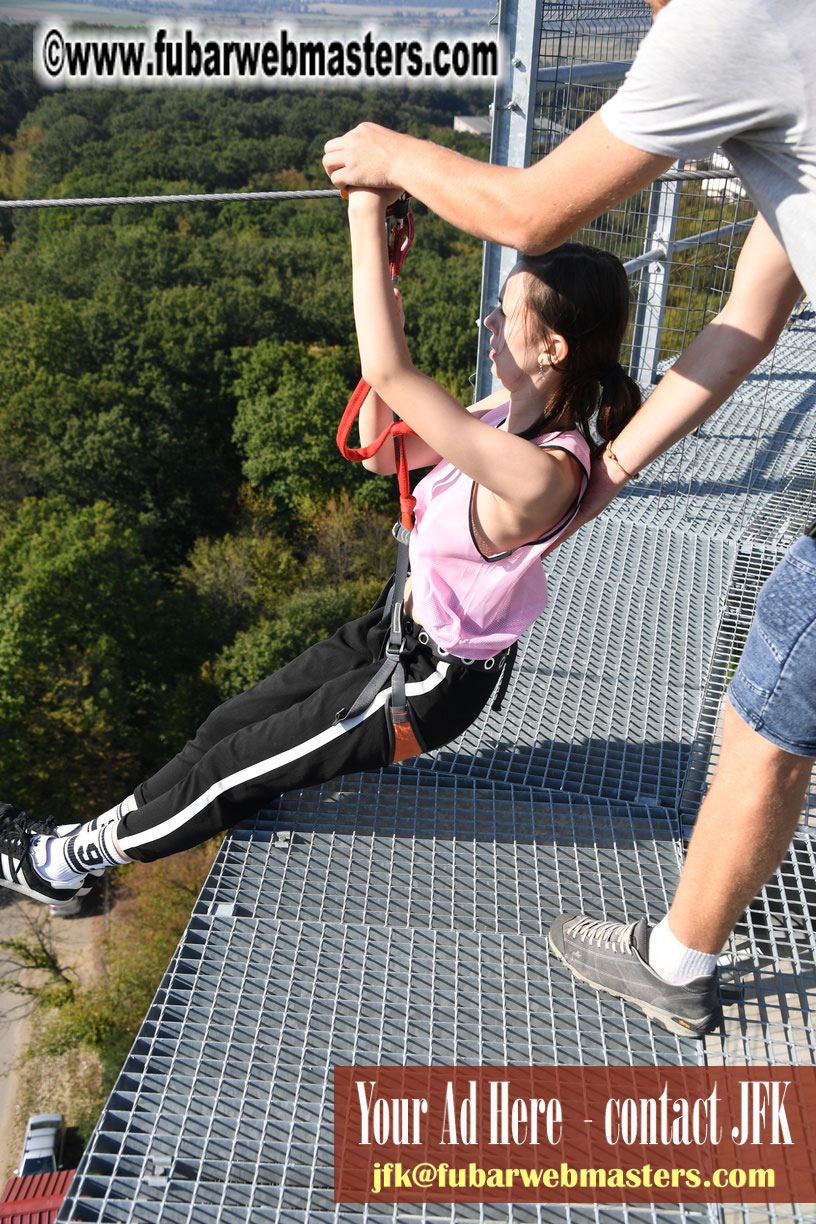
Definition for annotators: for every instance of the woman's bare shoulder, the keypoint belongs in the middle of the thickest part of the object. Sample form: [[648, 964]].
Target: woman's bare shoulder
[[490, 402]]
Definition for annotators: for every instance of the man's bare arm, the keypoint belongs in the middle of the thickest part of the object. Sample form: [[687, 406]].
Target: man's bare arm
[[765, 291], [532, 209]]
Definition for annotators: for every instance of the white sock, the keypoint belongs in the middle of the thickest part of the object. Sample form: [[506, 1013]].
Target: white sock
[[115, 813], [673, 961], [67, 860]]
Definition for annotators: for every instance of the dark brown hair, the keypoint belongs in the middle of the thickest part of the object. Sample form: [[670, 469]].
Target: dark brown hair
[[582, 293]]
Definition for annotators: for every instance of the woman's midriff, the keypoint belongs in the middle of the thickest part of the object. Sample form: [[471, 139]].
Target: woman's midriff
[[408, 601]]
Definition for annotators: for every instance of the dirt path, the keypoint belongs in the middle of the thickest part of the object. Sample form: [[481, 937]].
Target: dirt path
[[76, 941], [13, 1032]]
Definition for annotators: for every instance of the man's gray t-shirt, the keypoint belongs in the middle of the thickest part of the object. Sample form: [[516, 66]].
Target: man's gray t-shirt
[[741, 74]]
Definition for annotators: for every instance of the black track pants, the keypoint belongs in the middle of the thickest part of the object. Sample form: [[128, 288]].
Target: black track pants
[[284, 733]]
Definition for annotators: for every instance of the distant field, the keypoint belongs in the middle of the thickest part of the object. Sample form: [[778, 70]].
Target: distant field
[[36, 11], [339, 11]]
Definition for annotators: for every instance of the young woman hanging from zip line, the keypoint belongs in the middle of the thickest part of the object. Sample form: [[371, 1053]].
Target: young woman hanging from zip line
[[411, 675]]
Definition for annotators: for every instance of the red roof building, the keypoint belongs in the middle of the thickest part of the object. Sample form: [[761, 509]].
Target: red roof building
[[35, 1199]]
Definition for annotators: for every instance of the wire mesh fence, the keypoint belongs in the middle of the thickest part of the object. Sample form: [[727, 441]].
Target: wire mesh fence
[[584, 52], [748, 474]]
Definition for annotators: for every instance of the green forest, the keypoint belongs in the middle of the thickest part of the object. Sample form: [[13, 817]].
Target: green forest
[[175, 518]]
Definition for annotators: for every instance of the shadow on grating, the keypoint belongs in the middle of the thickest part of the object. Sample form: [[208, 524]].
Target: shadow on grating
[[452, 854], [606, 693]]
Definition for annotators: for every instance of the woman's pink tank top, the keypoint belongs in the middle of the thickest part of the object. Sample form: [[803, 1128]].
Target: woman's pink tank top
[[471, 605]]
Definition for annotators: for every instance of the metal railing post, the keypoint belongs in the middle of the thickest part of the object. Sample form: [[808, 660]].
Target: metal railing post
[[650, 310], [510, 144]]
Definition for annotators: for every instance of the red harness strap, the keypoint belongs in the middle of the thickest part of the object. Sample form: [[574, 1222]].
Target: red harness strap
[[397, 430]]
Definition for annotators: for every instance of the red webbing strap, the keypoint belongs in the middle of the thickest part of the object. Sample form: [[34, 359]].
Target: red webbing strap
[[396, 430], [400, 234], [407, 500], [405, 742]]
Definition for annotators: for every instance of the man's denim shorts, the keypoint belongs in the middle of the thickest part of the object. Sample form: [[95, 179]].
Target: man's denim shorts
[[774, 687]]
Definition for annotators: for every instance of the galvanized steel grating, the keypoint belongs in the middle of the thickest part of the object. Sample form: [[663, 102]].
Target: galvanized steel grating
[[236, 1118], [417, 851], [224, 1104]]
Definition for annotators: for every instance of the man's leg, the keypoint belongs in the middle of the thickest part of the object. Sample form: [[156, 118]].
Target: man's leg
[[743, 829]]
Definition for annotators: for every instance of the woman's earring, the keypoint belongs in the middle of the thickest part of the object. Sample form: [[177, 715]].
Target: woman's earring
[[543, 366]]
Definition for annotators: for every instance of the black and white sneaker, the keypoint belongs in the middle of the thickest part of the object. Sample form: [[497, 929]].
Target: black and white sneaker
[[613, 956], [17, 871]]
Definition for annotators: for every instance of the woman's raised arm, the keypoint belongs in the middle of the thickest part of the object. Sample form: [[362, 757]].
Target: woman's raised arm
[[375, 416], [523, 479]]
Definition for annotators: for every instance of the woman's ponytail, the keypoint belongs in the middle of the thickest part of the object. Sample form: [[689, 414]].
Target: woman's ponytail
[[620, 400]]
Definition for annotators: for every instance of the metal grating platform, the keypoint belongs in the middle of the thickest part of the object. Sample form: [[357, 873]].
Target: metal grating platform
[[749, 472], [412, 850], [223, 1109], [243, 1130]]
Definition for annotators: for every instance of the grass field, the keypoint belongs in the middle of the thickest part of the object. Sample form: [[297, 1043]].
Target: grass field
[[340, 12]]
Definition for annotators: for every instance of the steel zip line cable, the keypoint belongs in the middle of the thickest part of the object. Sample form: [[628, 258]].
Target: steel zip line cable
[[217, 197], [220, 197]]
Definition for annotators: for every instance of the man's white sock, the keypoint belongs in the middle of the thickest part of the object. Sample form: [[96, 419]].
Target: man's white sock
[[673, 961]]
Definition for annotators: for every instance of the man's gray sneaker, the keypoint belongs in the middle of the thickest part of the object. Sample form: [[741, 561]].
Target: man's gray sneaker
[[612, 956], [17, 872]]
